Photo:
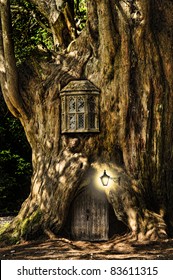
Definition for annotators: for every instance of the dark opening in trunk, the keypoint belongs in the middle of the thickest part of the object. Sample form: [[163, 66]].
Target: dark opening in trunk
[[91, 217]]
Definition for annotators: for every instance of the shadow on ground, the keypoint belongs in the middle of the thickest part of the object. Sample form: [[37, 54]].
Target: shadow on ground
[[121, 247]]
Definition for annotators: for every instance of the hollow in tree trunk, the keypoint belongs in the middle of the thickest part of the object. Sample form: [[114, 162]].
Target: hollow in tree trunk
[[125, 50]]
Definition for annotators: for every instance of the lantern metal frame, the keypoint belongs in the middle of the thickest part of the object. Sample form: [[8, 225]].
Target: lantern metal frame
[[105, 179]]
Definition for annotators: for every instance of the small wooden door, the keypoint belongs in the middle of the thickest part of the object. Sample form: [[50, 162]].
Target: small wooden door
[[90, 219]]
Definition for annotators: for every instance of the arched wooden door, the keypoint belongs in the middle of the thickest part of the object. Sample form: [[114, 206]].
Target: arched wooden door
[[90, 219]]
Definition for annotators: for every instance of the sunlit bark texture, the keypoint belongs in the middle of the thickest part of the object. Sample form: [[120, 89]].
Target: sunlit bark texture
[[126, 51]]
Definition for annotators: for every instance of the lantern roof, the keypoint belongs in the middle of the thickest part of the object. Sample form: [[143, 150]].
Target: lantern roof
[[80, 87]]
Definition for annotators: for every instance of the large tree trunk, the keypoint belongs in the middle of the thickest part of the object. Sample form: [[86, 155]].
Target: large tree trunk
[[126, 51]]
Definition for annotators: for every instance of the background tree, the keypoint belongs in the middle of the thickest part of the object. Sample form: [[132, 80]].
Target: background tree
[[126, 51], [15, 162], [30, 32]]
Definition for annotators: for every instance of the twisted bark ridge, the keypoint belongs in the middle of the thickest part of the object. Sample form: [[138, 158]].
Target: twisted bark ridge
[[126, 51], [60, 14]]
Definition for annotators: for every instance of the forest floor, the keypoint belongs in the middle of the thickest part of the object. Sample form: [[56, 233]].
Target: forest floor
[[119, 248]]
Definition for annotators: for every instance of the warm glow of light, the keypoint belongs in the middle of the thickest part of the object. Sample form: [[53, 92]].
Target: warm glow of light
[[105, 179], [99, 171]]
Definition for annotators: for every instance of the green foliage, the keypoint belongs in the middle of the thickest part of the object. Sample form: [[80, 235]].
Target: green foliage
[[80, 13], [30, 30], [22, 166], [30, 33], [15, 162]]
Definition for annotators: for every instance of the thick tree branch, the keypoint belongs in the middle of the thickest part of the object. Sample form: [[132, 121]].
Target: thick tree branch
[[8, 70], [51, 9], [3, 82], [60, 14]]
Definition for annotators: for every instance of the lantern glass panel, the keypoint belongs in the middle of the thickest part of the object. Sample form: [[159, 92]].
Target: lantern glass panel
[[105, 179]]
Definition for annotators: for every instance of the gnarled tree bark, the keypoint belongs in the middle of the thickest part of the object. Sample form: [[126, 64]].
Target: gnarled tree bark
[[126, 51], [60, 14]]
